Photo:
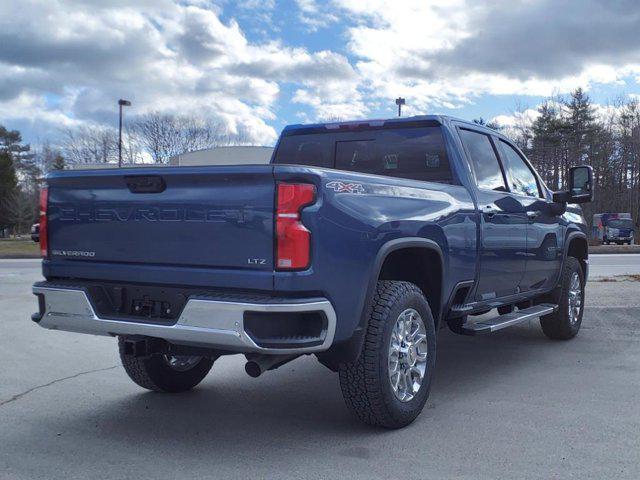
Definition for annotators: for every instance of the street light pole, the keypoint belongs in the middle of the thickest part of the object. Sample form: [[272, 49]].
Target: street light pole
[[121, 103], [400, 101]]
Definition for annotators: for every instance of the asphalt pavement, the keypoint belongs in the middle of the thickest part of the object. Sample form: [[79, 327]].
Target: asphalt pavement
[[509, 405]]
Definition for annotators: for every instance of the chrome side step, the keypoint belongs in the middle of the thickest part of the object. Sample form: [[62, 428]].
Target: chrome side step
[[503, 321]]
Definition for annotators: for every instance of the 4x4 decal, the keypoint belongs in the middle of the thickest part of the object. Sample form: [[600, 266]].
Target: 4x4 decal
[[344, 187]]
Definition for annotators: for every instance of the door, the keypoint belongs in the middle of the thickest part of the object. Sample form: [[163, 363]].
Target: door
[[503, 226], [544, 254]]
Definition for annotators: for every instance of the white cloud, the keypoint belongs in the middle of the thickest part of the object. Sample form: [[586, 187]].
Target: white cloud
[[315, 16], [65, 62], [447, 54], [166, 56]]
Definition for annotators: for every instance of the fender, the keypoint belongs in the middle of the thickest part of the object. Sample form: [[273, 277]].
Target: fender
[[350, 350], [572, 236]]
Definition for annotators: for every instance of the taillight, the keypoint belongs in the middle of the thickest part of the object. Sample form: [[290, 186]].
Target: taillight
[[44, 244], [292, 238]]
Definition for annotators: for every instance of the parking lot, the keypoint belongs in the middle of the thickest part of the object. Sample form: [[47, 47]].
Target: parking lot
[[509, 405]]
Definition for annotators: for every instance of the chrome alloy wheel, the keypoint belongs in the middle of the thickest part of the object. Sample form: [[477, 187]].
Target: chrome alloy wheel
[[182, 363], [408, 353], [575, 298]]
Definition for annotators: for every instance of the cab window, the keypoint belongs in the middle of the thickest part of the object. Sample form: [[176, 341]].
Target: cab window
[[484, 161], [521, 178]]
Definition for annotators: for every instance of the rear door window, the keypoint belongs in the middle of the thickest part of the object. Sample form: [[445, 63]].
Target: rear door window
[[417, 153], [484, 161], [312, 150]]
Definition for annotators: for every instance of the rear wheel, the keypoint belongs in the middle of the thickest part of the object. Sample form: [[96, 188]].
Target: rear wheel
[[564, 324], [165, 373], [388, 385]]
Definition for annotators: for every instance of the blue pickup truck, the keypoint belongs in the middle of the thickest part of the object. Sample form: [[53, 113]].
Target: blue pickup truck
[[357, 243]]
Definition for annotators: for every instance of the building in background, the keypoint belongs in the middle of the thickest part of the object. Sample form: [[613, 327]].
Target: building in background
[[236, 155], [224, 156]]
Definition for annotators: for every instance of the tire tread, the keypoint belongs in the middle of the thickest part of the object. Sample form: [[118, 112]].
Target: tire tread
[[150, 373], [556, 326], [360, 381]]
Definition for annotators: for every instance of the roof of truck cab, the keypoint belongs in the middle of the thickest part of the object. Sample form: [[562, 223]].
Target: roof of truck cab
[[441, 119]]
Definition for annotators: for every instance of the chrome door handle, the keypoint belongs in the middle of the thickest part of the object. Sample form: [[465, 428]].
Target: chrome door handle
[[533, 214]]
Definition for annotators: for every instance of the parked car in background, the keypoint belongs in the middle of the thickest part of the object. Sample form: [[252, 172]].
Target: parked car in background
[[35, 232], [356, 244], [613, 228]]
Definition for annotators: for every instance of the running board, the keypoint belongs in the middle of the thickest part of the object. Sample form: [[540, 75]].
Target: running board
[[507, 320]]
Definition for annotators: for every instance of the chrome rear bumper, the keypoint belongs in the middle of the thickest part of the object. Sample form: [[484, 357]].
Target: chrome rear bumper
[[203, 322]]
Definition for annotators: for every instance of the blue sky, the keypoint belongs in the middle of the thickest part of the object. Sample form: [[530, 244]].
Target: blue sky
[[257, 65]]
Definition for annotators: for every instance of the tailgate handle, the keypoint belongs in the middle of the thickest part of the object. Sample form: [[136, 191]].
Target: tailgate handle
[[145, 183]]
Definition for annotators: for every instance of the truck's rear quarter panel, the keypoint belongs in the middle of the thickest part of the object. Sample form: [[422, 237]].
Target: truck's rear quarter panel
[[350, 227]]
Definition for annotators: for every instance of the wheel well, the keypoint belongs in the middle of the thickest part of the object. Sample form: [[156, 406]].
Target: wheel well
[[579, 249], [421, 266]]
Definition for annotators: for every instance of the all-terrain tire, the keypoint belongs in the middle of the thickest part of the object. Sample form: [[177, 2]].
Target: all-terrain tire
[[365, 383], [559, 325], [153, 372]]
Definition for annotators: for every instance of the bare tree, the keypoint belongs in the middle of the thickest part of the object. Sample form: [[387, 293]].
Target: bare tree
[[165, 135], [90, 145], [48, 157]]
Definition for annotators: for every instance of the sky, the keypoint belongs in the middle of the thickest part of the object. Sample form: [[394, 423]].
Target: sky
[[258, 65]]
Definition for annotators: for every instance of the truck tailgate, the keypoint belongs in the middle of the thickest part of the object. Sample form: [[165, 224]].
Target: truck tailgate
[[199, 217]]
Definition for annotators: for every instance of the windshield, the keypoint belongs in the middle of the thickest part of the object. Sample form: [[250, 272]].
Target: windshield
[[620, 223], [417, 153]]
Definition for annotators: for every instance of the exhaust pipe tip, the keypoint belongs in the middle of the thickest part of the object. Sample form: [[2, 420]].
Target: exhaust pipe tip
[[258, 364], [253, 369]]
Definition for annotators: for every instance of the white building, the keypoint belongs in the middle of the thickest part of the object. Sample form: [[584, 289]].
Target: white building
[[211, 156], [224, 156]]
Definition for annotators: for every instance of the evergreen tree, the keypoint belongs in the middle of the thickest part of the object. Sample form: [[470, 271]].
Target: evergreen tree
[[11, 142], [548, 131], [581, 123], [23, 159], [8, 186], [58, 163]]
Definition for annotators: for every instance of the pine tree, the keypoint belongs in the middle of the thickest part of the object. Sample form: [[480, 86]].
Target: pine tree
[[547, 142], [8, 186], [58, 163], [581, 122]]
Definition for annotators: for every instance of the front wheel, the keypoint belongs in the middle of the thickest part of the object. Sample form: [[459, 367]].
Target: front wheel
[[565, 323], [388, 385], [165, 373]]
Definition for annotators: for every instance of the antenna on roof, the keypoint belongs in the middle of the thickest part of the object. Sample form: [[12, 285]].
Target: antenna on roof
[[400, 101]]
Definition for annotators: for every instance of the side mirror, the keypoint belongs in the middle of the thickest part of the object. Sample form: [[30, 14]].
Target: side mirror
[[580, 186]]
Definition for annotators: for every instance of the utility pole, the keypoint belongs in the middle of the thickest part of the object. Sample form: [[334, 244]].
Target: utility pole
[[121, 103], [400, 101]]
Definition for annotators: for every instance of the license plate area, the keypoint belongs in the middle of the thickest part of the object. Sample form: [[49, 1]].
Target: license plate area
[[138, 303], [146, 307]]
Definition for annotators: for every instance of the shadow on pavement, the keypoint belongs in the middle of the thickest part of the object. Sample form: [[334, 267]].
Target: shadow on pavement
[[288, 404]]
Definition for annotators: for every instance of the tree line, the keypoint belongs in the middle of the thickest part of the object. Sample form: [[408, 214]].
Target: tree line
[[151, 138], [20, 172]]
